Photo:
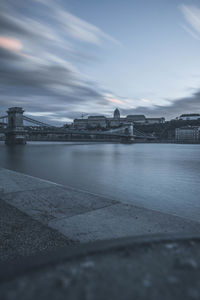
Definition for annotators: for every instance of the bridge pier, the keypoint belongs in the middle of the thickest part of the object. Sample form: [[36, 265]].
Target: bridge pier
[[15, 133], [129, 137], [127, 140]]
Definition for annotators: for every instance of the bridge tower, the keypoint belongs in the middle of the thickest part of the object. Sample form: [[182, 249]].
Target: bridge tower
[[15, 133], [129, 131]]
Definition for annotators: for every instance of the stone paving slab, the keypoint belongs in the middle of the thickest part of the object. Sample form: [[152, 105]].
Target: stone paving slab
[[21, 236], [121, 220], [11, 181], [84, 216], [56, 202]]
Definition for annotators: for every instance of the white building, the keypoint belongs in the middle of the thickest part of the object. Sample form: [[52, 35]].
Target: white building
[[155, 121], [187, 117], [187, 134]]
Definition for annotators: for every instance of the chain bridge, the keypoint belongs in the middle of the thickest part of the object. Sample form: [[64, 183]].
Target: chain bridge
[[12, 125]]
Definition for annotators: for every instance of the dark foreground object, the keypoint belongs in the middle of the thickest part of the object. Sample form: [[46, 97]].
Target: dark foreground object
[[134, 268]]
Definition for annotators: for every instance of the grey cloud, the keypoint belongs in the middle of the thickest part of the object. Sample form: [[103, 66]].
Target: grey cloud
[[8, 55], [40, 35], [10, 25], [19, 27], [44, 77], [42, 83], [189, 104], [31, 86], [26, 76]]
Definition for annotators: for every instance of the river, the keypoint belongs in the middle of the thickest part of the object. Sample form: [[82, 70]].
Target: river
[[163, 177]]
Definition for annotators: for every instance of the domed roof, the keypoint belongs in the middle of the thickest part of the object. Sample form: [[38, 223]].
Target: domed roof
[[116, 113]]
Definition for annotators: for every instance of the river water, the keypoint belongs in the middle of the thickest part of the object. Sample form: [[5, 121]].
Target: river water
[[163, 177]]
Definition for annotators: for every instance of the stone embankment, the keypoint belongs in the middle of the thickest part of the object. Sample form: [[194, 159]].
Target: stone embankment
[[43, 254], [50, 213]]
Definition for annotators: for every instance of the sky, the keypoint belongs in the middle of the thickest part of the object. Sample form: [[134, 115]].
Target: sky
[[60, 59]]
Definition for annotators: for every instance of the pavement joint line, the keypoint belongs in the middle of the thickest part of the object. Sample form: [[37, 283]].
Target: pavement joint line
[[85, 212]]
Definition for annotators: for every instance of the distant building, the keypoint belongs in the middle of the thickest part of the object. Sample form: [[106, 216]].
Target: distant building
[[140, 119], [115, 121], [187, 134], [80, 123], [187, 117], [155, 121], [97, 121], [116, 114]]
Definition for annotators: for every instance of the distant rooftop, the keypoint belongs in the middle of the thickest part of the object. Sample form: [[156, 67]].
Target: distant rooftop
[[136, 117], [95, 117], [155, 118], [190, 115]]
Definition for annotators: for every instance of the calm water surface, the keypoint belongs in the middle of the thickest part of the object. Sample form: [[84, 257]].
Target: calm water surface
[[164, 177]]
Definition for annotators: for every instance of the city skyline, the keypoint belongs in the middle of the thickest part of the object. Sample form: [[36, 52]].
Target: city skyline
[[59, 59]]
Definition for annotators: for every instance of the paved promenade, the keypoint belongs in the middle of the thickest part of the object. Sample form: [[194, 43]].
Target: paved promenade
[[80, 216], [22, 236]]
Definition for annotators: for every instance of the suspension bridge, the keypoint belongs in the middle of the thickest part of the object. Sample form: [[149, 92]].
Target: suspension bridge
[[12, 125]]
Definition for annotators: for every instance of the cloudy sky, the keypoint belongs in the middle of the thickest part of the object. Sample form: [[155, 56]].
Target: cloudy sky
[[62, 58]]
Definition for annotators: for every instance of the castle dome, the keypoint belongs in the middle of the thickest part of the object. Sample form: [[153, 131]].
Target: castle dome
[[116, 113]]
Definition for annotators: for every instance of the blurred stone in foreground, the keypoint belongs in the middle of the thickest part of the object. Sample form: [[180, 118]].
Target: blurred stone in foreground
[[132, 268]]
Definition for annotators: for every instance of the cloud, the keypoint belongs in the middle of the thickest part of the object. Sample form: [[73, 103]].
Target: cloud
[[55, 16], [41, 47], [76, 27], [192, 33], [192, 16], [37, 69], [112, 98], [80, 29], [8, 55], [172, 109], [10, 44]]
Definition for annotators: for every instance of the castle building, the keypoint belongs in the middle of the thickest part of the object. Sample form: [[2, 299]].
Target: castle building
[[80, 123], [140, 119], [97, 121], [116, 114], [115, 121]]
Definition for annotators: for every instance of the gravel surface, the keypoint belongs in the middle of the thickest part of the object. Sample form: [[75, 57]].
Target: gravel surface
[[20, 235]]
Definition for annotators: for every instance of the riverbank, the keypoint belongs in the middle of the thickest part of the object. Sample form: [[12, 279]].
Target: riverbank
[[70, 215]]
